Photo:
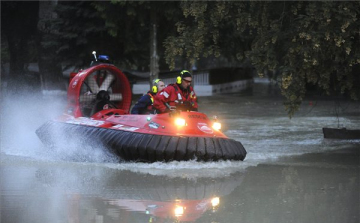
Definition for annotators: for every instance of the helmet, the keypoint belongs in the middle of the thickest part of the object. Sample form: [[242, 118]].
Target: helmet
[[154, 88], [183, 73]]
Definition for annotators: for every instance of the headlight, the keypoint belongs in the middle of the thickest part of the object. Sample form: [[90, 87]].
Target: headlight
[[217, 125], [180, 122], [215, 201], [179, 211]]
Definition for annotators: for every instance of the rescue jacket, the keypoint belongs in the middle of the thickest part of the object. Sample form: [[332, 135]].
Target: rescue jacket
[[174, 95]]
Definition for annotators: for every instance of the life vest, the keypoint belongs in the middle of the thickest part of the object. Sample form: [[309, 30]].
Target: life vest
[[172, 96], [150, 108], [184, 97], [190, 95]]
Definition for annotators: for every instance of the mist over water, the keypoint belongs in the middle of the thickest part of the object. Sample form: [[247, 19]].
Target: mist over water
[[24, 112], [21, 114]]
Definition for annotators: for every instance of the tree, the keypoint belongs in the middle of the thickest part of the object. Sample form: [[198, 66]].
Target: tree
[[143, 24], [78, 30], [307, 42], [127, 31], [310, 42], [18, 26], [50, 67]]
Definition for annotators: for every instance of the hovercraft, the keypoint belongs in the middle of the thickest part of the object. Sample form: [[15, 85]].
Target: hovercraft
[[144, 138]]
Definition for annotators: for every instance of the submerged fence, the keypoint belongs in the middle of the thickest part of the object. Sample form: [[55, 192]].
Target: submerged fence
[[211, 77]]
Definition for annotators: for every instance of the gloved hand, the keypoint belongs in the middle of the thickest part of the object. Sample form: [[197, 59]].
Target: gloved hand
[[187, 106], [173, 113], [170, 108]]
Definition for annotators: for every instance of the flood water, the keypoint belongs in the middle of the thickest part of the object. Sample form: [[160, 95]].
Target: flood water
[[291, 173]]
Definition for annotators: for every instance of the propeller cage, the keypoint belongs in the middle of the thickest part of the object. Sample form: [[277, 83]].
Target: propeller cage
[[85, 86]]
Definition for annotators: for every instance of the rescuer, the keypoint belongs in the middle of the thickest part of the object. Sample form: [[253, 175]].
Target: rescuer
[[179, 96], [145, 104]]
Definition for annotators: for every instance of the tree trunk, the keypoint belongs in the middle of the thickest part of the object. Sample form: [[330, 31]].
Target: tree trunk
[[17, 48], [49, 67], [154, 58], [18, 29]]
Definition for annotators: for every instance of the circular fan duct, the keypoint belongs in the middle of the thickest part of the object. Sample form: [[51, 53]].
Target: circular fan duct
[[85, 86]]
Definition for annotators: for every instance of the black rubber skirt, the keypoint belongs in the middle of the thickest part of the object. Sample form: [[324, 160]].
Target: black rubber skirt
[[133, 146]]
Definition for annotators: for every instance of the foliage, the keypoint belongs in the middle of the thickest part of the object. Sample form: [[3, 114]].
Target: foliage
[[128, 27], [310, 42], [76, 32], [129, 22], [18, 33], [306, 42], [314, 42]]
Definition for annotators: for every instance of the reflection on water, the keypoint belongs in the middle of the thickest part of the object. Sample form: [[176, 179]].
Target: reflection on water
[[290, 190], [87, 193]]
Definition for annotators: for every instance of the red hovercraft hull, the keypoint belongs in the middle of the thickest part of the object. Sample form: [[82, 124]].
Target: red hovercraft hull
[[144, 138]]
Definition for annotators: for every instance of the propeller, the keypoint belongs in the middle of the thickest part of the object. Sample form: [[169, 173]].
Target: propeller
[[100, 80]]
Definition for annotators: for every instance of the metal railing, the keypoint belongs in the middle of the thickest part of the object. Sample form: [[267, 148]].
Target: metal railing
[[200, 78]]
